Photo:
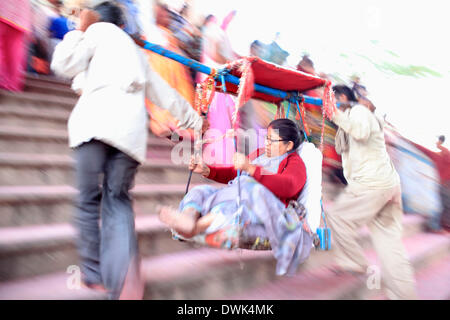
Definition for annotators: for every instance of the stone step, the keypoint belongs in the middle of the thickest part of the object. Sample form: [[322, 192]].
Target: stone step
[[31, 205], [322, 284], [49, 287], [50, 88], [412, 225], [42, 169], [433, 283], [219, 274], [188, 274], [35, 250], [192, 273], [51, 141], [33, 99], [49, 80], [33, 117]]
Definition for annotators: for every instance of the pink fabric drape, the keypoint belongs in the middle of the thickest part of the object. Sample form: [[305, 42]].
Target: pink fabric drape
[[15, 24], [219, 116]]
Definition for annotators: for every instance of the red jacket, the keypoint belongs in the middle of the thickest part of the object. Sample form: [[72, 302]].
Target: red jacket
[[440, 159], [286, 184]]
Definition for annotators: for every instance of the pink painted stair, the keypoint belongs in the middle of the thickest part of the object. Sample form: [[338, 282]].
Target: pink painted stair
[[40, 249], [167, 276], [25, 205], [322, 283], [35, 250], [216, 274], [43, 169]]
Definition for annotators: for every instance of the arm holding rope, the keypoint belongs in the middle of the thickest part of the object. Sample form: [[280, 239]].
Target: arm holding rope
[[218, 174], [287, 183], [222, 174], [284, 185]]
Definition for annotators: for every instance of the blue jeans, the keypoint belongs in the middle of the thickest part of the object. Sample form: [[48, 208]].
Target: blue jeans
[[106, 255]]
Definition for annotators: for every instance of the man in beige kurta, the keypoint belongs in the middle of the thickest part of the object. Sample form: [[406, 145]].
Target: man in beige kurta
[[372, 198]]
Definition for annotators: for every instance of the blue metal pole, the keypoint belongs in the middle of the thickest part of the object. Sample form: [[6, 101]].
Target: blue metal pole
[[228, 77], [174, 56]]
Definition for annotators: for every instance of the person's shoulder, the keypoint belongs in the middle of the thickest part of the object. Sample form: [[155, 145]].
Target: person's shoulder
[[295, 164], [359, 109], [361, 113], [309, 150], [108, 33], [294, 158]]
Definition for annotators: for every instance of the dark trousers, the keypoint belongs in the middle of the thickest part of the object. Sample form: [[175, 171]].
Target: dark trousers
[[105, 176]]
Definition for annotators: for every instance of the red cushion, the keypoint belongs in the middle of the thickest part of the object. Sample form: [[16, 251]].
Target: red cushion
[[276, 77]]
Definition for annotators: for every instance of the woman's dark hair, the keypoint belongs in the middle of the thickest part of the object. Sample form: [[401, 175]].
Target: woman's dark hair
[[110, 12], [442, 139], [288, 131]]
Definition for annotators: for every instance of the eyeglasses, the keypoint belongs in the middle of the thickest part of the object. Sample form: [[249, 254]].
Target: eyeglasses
[[270, 141]]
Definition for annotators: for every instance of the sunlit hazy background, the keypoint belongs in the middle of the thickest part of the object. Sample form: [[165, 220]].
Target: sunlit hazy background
[[399, 49]]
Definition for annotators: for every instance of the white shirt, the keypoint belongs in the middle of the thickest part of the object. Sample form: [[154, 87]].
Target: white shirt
[[311, 194], [116, 81], [366, 162]]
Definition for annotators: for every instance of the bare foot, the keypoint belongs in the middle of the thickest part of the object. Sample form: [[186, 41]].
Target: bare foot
[[182, 222]]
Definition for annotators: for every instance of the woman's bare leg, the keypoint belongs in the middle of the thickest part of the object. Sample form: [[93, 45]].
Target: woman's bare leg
[[184, 222]]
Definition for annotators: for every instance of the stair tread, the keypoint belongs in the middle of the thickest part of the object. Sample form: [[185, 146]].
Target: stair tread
[[322, 283], [9, 192], [57, 115], [62, 134], [37, 234], [36, 160], [63, 87], [48, 287], [66, 102], [319, 283], [48, 78], [154, 270], [434, 282], [32, 234]]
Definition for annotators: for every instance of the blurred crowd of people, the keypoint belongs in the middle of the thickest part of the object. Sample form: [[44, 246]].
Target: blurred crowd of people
[[29, 32]]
